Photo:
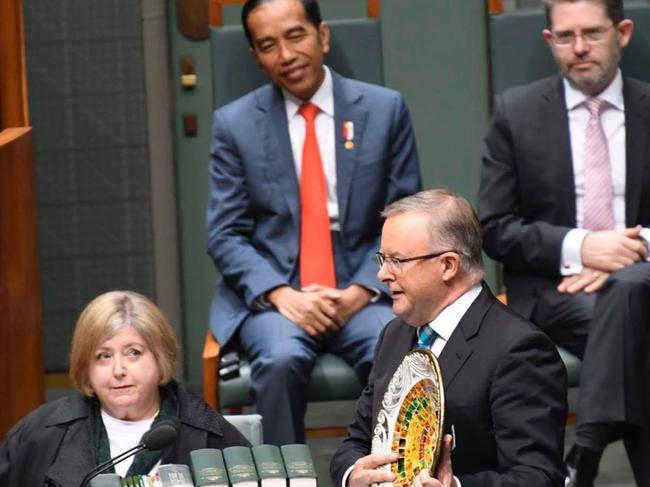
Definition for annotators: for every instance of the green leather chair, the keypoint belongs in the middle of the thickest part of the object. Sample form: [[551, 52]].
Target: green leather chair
[[519, 55], [355, 51], [249, 425]]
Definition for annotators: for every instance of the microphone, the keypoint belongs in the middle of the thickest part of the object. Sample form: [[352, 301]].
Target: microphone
[[160, 435]]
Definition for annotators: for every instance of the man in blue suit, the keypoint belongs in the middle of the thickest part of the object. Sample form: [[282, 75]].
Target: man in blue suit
[[366, 148]]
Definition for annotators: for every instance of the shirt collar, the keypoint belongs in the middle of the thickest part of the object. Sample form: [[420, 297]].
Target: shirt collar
[[446, 322], [323, 98], [613, 94]]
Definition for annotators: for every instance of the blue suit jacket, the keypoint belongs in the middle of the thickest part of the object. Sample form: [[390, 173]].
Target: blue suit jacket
[[253, 214]]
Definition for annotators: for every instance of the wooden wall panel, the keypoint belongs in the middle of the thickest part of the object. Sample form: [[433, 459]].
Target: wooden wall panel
[[21, 349], [13, 82]]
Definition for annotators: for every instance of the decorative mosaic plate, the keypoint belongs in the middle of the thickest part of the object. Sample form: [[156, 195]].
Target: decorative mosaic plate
[[411, 418]]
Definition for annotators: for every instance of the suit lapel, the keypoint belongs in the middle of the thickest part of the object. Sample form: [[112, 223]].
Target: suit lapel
[[274, 130], [458, 349], [346, 109], [557, 146], [637, 126]]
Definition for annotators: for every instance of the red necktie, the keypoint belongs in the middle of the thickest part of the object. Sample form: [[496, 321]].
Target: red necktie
[[316, 257]]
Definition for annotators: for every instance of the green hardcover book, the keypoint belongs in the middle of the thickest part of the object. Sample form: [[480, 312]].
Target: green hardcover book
[[300, 465], [270, 466], [240, 466], [208, 468]]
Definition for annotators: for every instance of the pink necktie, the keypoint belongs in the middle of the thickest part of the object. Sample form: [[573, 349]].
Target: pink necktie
[[598, 207]]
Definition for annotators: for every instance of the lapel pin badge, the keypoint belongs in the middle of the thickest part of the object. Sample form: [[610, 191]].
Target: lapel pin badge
[[348, 135]]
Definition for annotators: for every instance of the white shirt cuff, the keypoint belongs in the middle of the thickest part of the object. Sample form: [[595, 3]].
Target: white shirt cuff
[[645, 235], [571, 259], [344, 480], [376, 294], [458, 484]]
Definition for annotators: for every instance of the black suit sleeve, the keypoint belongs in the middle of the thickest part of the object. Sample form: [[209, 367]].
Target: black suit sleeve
[[510, 235], [528, 406], [357, 443]]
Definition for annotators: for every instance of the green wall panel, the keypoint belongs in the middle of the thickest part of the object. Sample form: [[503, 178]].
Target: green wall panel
[[435, 54], [191, 158]]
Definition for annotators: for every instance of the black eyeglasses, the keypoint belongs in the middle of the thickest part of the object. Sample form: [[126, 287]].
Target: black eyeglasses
[[395, 264]]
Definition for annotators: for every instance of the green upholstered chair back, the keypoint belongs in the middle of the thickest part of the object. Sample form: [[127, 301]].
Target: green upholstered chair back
[[355, 52], [249, 425], [519, 53]]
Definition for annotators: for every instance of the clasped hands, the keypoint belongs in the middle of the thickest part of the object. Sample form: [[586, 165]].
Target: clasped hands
[[317, 309], [602, 253], [365, 470]]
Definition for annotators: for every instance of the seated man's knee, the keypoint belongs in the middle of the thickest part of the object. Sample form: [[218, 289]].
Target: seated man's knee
[[285, 360], [634, 278]]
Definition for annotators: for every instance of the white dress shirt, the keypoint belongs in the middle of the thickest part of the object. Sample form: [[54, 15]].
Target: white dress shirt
[[325, 133], [446, 322], [613, 121], [124, 435]]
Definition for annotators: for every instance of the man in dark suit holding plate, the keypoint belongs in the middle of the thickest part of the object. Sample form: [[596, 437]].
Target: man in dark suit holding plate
[[505, 384]]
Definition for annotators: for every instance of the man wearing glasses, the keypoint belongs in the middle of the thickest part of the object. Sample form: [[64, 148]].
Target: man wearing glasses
[[565, 206], [505, 385]]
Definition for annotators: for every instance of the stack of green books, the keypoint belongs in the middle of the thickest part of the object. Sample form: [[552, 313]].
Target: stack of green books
[[261, 465]]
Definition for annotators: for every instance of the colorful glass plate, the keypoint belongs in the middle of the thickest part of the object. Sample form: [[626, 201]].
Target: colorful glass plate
[[411, 418]]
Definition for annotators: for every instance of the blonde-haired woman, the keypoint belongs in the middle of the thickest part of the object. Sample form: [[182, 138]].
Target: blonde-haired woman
[[122, 361]]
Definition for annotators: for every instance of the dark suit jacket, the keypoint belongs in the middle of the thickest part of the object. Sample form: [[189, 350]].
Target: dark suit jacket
[[505, 392], [254, 210], [527, 194]]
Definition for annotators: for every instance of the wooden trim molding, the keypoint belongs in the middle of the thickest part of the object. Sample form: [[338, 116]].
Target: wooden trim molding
[[196, 16], [373, 9], [21, 345], [211, 355], [495, 6], [216, 10], [13, 80], [192, 17]]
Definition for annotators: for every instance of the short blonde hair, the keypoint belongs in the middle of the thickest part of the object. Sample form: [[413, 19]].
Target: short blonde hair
[[106, 315]]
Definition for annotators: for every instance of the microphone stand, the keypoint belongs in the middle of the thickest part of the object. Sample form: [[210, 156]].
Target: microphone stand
[[108, 464]]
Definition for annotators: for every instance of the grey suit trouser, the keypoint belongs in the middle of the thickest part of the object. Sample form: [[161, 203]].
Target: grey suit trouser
[[282, 357], [610, 331]]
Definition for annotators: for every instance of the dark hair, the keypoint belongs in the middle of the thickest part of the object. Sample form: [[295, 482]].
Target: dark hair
[[613, 9], [312, 11]]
